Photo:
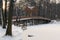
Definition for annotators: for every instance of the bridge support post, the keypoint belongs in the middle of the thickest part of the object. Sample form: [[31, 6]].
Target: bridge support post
[[33, 21]]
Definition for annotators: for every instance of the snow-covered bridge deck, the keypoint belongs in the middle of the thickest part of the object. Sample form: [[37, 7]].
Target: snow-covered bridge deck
[[27, 18]]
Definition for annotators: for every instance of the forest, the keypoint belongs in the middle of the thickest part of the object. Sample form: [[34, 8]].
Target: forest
[[43, 9]]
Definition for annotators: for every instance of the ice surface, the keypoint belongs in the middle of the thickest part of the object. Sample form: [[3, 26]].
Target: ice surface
[[49, 31]]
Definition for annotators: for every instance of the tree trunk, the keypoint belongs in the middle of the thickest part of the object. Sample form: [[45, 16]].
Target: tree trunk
[[2, 14], [1, 11], [9, 27], [3, 19], [5, 15]]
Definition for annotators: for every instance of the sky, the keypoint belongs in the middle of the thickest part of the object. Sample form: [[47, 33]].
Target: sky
[[57, 1]]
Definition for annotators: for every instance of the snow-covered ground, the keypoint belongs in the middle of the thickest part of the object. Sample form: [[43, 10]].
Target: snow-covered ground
[[17, 33], [49, 31]]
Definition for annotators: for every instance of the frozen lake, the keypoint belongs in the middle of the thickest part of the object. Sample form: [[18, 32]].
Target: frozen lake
[[49, 31]]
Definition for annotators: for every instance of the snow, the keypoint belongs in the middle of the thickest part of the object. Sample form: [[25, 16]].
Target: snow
[[49, 31], [31, 7], [17, 33]]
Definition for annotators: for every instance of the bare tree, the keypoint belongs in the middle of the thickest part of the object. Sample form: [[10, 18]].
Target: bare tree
[[5, 15], [2, 14], [1, 9], [9, 27]]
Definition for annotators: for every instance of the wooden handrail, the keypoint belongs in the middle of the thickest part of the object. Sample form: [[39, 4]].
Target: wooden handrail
[[36, 17]]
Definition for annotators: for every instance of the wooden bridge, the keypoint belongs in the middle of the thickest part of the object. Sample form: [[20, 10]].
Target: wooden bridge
[[31, 20], [27, 18]]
